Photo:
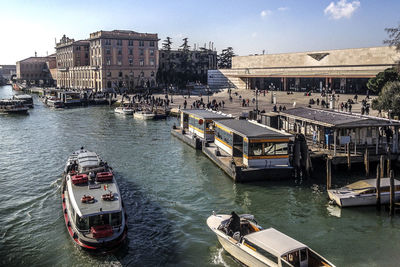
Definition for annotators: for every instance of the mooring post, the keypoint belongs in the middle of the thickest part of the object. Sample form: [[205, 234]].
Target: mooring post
[[392, 190], [348, 157], [389, 162], [328, 173], [366, 162], [382, 166], [378, 188]]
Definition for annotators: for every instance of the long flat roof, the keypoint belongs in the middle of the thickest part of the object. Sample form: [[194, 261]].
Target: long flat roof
[[248, 129], [205, 114], [272, 240], [335, 119]]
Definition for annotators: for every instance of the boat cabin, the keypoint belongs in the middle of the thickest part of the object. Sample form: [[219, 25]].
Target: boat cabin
[[282, 250], [26, 99], [259, 146], [69, 97], [200, 122]]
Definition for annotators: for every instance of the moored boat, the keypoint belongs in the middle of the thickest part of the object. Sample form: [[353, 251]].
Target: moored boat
[[144, 115], [92, 204], [27, 100], [124, 110], [253, 245], [54, 102], [12, 106], [363, 193]]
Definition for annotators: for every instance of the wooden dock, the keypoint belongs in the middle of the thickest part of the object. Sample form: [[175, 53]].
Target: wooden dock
[[189, 139]]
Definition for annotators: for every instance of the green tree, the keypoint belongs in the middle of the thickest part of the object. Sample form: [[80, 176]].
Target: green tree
[[167, 43], [389, 98], [394, 37], [378, 82], [224, 60]]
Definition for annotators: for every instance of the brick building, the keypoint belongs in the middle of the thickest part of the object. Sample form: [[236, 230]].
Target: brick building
[[36, 70], [108, 60]]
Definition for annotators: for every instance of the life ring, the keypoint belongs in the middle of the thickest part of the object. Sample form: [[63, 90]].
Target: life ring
[[87, 199], [108, 197]]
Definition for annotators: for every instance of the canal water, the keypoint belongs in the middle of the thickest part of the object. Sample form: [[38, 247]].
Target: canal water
[[169, 190]]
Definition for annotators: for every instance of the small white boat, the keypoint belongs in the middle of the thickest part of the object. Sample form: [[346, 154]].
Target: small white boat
[[363, 193], [124, 110], [54, 102], [252, 245], [144, 115]]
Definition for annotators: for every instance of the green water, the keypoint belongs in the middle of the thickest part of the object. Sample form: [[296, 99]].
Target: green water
[[169, 190]]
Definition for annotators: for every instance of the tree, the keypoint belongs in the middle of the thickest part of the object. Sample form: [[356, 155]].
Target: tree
[[389, 98], [225, 58], [167, 43], [394, 37], [378, 82]]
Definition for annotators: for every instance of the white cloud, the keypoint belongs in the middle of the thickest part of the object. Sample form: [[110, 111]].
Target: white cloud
[[284, 8], [341, 9], [265, 13]]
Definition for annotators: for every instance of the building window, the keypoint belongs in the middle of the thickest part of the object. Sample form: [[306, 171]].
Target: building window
[[162, 55], [141, 62], [130, 61], [119, 61], [108, 61], [142, 74], [152, 43], [151, 61], [141, 51], [119, 51], [108, 42], [86, 55], [130, 42], [151, 52], [130, 51], [108, 51], [131, 73], [119, 42], [152, 74], [108, 73], [141, 43], [109, 84], [120, 74]]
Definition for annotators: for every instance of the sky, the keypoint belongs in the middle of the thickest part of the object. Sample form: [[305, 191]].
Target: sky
[[249, 26]]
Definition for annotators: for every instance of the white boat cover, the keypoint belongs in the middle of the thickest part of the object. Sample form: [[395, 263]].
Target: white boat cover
[[274, 241]]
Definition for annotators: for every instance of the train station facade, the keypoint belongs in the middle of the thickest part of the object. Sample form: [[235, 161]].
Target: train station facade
[[345, 70]]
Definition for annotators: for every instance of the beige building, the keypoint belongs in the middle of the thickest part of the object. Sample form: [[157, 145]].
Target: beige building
[[345, 70], [37, 70], [108, 60]]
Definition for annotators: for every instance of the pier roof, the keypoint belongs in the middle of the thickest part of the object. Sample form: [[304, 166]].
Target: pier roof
[[206, 114], [335, 119], [252, 130]]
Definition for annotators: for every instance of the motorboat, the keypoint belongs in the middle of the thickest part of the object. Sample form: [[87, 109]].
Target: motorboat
[[12, 106], [92, 205], [26, 99], [53, 101], [363, 193], [144, 115], [124, 110], [252, 245]]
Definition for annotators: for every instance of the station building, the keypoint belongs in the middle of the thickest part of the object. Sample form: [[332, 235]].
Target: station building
[[344, 70]]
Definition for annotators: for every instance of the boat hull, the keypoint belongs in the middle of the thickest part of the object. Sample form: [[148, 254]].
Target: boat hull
[[367, 200], [143, 116]]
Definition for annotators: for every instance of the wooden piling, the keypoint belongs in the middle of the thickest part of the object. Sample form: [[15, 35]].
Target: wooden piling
[[348, 157], [366, 162], [388, 163], [382, 166], [392, 190], [328, 173], [378, 188]]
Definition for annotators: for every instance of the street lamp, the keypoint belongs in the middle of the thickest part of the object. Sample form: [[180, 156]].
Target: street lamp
[[256, 100], [208, 94], [170, 88]]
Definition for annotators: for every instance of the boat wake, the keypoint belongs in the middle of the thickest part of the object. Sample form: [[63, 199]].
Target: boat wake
[[217, 257]]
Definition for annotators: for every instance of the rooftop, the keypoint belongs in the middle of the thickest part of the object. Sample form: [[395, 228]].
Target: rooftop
[[248, 129], [274, 241], [335, 119], [205, 114]]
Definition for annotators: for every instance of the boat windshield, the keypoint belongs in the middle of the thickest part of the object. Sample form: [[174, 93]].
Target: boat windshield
[[113, 219]]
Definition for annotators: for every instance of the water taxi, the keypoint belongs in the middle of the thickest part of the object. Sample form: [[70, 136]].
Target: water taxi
[[11, 106], [363, 193], [92, 204], [125, 110], [53, 101], [253, 245], [144, 115]]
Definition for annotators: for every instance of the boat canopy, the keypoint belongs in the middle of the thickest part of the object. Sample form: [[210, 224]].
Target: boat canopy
[[370, 183], [88, 160], [274, 241]]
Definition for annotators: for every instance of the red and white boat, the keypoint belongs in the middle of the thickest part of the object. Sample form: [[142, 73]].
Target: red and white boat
[[92, 205]]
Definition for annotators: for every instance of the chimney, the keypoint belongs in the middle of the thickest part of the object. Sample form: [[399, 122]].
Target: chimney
[[35, 54]]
